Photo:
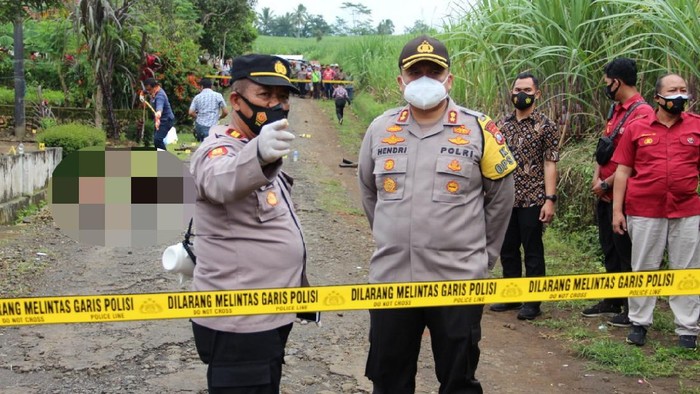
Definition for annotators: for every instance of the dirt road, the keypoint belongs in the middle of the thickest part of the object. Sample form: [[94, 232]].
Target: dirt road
[[159, 356]]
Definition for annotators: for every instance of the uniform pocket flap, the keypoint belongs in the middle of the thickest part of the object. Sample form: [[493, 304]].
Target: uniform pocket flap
[[454, 166], [390, 165]]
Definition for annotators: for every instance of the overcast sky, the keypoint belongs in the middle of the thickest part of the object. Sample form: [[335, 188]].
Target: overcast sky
[[403, 13]]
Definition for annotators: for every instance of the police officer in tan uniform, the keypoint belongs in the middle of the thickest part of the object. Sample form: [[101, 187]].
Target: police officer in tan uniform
[[437, 191], [248, 235]]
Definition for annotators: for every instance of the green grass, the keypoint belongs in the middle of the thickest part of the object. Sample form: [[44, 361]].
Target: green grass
[[29, 211]]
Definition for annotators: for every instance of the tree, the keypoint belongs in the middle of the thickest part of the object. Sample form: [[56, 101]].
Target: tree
[[317, 27], [228, 26], [419, 27], [341, 27], [385, 27], [265, 21], [16, 11], [299, 18], [358, 10], [102, 24]]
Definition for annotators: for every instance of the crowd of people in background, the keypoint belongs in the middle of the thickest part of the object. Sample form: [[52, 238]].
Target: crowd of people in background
[[320, 81]]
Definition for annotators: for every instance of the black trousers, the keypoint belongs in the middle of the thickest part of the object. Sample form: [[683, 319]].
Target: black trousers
[[617, 249], [161, 132], [395, 339], [339, 108], [249, 363], [524, 228]]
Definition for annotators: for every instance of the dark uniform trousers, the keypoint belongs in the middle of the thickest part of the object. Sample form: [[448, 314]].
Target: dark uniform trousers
[[248, 363], [617, 249], [524, 228], [395, 338], [161, 132]]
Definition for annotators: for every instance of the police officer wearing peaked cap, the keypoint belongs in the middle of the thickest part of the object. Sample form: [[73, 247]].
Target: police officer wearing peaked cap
[[247, 233], [437, 191]]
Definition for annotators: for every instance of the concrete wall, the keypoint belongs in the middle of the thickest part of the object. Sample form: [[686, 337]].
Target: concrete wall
[[24, 180]]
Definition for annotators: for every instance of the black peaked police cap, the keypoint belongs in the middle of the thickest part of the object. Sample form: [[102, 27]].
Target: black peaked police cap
[[263, 69], [424, 48]]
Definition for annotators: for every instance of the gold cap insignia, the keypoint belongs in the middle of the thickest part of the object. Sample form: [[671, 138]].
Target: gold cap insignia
[[425, 47], [280, 68]]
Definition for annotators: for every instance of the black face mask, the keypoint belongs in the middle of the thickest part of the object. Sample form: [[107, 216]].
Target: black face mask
[[609, 92], [673, 105], [522, 100], [262, 115]]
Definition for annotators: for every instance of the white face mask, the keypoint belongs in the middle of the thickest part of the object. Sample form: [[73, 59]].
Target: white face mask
[[425, 92]]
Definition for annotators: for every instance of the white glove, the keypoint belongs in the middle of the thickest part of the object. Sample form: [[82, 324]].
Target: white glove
[[273, 141]]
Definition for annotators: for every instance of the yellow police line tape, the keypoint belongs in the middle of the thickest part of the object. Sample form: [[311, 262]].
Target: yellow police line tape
[[291, 80], [182, 305]]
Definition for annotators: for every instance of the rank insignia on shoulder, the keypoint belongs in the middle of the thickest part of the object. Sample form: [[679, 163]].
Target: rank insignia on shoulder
[[389, 185], [394, 128], [458, 141], [461, 130], [454, 166], [216, 152], [389, 164], [272, 198], [233, 133], [452, 186], [393, 140], [452, 116], [403, 116]]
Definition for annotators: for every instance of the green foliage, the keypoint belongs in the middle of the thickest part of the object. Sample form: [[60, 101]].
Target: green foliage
[[7, 96], [228, 26], [72, 137]]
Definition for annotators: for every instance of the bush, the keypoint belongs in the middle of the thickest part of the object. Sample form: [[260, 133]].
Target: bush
[[72, 137]]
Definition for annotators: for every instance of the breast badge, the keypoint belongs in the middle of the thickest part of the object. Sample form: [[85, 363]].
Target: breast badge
[[272, 198], [458, 141], [389, 185], [393, 140], [461, 130], [394, 128], [454, 166], [389, 164], [452, 187], [648, 141], [216, 152]]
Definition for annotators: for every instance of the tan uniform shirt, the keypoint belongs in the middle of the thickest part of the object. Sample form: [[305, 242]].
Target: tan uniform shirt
[[438, 200], [247, 234]]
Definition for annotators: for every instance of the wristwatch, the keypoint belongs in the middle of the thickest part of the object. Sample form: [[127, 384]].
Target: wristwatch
[[551, 197], [605, 186]]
